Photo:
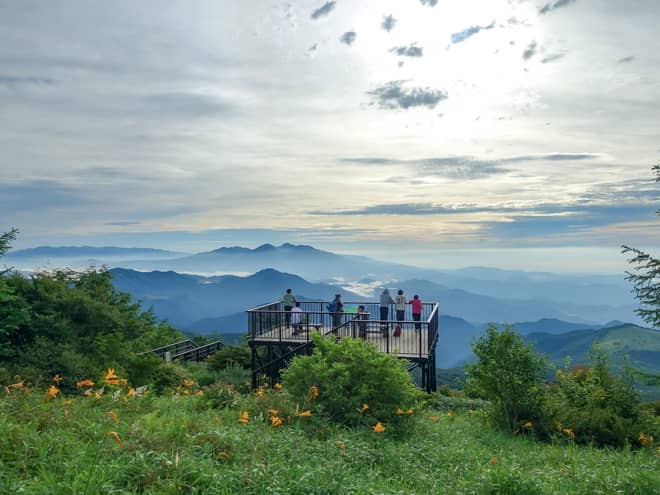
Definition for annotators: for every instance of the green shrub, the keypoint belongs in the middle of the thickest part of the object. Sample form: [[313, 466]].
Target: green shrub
[[508, 374], [348, 375], [589, 405], [168, 376], [455, 403], [230, 355], [236, 376]]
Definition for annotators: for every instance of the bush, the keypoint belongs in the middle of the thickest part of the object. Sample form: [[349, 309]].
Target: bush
[[168, 376], [455, 403], [230, 355], [588, 405], [508, 373], [348, 375]]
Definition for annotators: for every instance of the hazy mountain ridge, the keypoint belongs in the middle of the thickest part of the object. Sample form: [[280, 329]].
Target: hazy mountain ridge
[[184, 299], [318, 266], [638, 344], [83, 251]]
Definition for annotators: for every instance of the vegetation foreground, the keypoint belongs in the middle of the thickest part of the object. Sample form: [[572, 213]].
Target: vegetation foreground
[[196, 442]]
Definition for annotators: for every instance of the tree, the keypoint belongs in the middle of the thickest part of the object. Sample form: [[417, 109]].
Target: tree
[[646, 278], [6, 239], [12, 309], [508, 373]]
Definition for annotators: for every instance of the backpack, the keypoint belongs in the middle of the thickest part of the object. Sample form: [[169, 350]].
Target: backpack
[[397, 331], [332, 307]]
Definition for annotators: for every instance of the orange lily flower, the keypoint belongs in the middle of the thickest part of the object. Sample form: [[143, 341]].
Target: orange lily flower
[[115, 435], [245, 418], [378, 427]]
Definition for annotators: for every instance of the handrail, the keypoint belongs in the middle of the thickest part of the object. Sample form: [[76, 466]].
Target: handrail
[[163, 349]]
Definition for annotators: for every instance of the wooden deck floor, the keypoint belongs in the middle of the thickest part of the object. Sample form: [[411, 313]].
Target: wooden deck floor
[[411, 344]]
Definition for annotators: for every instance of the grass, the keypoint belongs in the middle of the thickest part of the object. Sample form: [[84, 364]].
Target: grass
[[181, 445]]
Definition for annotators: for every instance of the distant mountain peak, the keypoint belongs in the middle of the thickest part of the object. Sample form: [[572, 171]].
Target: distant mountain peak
[[264, 247]]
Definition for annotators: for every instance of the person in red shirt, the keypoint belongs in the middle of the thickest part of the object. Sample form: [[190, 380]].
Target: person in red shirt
[[416, 311]]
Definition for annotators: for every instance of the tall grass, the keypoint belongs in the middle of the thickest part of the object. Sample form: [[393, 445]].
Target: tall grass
[[180, 444]]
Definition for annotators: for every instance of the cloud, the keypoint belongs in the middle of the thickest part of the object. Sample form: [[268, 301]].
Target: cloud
[[466, 167], [182, 104], [552, 58], [393, 95], [324, 10], [16, 81], [455, 167], [348, 37], [552, 157], [122, 223], [461, 36], [388, 23], [530, 51], [625, 60], [408, 51], [549, 7], [40, 195], [430, 3]]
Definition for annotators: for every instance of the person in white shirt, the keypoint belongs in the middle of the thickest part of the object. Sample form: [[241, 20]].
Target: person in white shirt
[[296, 318]]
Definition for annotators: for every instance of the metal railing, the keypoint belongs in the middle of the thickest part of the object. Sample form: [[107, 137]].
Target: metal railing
[[172, 349], [270, 323], [199, 353]]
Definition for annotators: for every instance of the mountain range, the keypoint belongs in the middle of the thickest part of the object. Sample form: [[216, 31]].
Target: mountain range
[[364, 275]]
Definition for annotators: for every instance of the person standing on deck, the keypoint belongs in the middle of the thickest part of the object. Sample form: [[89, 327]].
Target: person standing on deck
[[362, 317], [336, 308], [400, 307], [288, 300], [385, 301], [417, 311], [296, 318]]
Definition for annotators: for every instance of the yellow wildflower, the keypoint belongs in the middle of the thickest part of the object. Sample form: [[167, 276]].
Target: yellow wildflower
[[378, 427], [306, 414], [449, 414], [273, 412], [115, 435], [84, 383], [275, 421], [16, 385], [199, 393], [341, 445], [260, 392], [57, 379], [364, 407], [569, 432], [52, 392], [67, 403], [189, 383], [410, 411], [111, 377], [114, 416], [277, 386], [245, 418], [529, 424], [399, 411], [315, 392], [131, 392], [645, 439]]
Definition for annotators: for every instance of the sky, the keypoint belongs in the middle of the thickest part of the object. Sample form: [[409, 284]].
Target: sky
[[446, 133]]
